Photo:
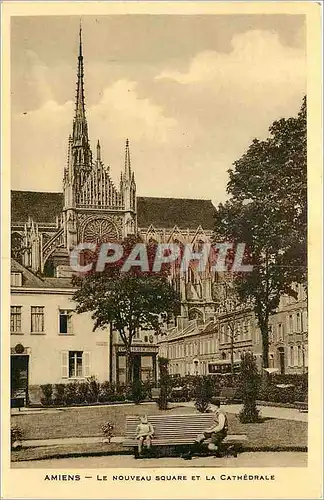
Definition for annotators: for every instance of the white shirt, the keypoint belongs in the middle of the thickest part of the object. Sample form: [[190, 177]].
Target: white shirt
[[218, 424]]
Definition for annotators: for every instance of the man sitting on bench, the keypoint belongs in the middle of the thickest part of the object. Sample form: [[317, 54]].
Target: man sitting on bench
[[216, 433]]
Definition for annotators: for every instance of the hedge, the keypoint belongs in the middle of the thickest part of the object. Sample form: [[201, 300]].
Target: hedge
[[180, 389], [91, 391]]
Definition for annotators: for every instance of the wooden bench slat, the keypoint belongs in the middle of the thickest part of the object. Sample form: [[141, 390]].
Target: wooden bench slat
[[171, 430], [234, 439]]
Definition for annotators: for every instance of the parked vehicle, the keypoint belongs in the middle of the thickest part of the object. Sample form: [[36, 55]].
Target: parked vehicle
[[223, 367]]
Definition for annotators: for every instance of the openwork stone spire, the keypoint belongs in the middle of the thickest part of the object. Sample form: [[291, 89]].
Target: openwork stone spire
[[127, 170], [80, 127]]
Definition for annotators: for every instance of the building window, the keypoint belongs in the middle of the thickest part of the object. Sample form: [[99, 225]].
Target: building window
[[292, 357], [291, 323], [37, 319], [248, 330], [65, 321], [15, 319], [280, 332], [298, 322], [304, 321], [299, 355], [244, 330], [16, 279], [75, 364]]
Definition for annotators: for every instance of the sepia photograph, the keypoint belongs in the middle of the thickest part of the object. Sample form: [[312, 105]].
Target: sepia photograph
[[159, 223], [125, 131]]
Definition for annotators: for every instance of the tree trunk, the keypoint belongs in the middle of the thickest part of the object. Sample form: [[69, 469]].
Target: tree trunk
[[265, 345], [129, 366]]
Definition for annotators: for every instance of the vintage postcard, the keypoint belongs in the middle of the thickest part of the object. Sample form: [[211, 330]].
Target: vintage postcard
[[161, 250]]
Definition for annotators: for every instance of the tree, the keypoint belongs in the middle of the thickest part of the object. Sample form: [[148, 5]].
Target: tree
[[164, 383], [249, 389], [267, 210], [126, 300], [204, 393]]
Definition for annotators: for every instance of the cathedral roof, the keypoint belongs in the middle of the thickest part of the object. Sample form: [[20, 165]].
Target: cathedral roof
[[41, 207], [169, 212], [160, 212]]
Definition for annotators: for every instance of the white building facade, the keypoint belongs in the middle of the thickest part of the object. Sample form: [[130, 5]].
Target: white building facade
[[50, 343]]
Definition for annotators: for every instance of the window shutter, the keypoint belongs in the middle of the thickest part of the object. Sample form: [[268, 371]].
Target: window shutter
[[64, 364], [86, 364]]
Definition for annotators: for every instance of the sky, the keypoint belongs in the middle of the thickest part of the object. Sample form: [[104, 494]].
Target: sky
[[190, 93]]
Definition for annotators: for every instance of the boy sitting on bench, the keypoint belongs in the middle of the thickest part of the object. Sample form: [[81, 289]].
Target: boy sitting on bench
[[144, 434], [216, 433]]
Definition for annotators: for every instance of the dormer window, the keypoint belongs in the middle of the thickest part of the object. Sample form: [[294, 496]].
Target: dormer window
[[16, 279]]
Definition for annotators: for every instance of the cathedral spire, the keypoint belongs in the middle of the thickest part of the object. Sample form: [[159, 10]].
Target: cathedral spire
[[80, 127], [127, 161], [98, 151]]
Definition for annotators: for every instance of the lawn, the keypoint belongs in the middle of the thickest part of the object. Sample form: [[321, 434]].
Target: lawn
[[67, 451], [86, 421], [83, 421]]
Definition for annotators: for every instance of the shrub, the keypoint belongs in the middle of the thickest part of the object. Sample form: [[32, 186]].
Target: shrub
[[59, 394], [117, 397], [71, 393], [82, 393], [47, 391], [107, 430], [16, 435], [124, 390], [203, 395], [147, 388], [179, 394], [296, 391], [93, 390], [106, 392], [249, 388]]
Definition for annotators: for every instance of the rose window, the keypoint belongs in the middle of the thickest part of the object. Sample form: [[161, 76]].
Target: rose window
[[100, 230]]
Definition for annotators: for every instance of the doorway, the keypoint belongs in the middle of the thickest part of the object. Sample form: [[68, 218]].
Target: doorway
[[19, 377]]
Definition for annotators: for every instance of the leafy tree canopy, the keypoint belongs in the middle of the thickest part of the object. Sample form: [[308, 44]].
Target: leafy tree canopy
[[267, 210]]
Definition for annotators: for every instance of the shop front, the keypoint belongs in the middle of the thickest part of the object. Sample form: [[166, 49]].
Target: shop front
[[143, 363]]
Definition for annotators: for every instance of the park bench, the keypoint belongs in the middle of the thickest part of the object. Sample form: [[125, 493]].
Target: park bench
[[173, 432], [227, 395]]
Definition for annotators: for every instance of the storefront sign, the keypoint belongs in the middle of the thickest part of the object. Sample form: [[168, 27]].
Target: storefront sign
[[139, 349]]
